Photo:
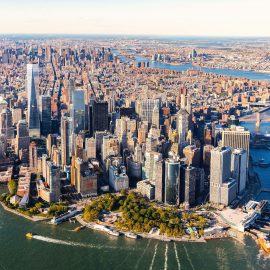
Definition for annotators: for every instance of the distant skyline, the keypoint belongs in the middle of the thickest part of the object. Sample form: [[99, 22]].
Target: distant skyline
[[137, 17]]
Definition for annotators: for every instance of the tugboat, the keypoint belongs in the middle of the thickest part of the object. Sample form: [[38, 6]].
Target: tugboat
[[29, 235]]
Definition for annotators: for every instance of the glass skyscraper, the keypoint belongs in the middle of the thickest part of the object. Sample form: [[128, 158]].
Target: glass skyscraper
[[78, 111], [33, 98]]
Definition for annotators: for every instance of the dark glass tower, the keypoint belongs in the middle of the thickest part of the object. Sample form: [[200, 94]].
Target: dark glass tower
[[33, 95], [45, 115]]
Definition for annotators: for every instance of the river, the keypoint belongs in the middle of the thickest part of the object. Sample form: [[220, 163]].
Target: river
[[263, 173], [252, 75], [57, 247]]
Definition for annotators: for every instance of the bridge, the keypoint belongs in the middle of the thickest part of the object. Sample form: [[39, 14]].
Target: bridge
[[257, 117]]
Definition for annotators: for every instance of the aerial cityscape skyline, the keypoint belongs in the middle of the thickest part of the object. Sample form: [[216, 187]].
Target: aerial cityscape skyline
[[135, 134], [177, 18]]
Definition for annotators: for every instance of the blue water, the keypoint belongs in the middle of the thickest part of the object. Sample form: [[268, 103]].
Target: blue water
[[263, 173], [252, 75]]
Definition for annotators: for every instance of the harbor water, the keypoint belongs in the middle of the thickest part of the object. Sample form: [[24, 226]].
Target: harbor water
[[57, 247]]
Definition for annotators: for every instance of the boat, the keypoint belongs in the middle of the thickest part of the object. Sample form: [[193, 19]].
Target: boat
[[101, 228], [29, 235], [77, 229], [113, 232], [264, 242], [71, 213], [131, 235]]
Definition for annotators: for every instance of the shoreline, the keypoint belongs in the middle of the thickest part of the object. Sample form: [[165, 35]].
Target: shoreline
[[33, 219], [162, 238], [159, 237]]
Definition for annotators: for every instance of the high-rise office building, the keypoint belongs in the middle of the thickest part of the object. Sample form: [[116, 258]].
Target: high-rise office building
[[237, 138], [16, 115], [239, 168], [172, 181], [146, 109], [6, 127], [33, 98], [33, 160], [85, 179], [110, 147], [182, 125], [78, 111], [150, 165], [53, 179], [188, 185], [71, 89], [193, 155], [66, 137], [91, 148], [222, 187], [45, 115], [155, 116], [160, 181], [98, 116], [22, 140]]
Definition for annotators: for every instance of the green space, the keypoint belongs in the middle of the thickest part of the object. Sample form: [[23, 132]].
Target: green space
[[137, 214]]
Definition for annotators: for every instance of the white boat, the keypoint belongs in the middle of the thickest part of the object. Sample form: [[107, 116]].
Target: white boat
[[131, 235], [113, 232], [101, 228]]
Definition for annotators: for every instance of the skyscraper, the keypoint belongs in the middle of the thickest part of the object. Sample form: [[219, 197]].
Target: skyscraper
[[160, 181], [98, 116], [236, 137], [71, 89], [155, 116], [45, 115], [6, 127], [182, 125], [33, 97], [22, 140], [172, 181], [33, 157], [222, 187], [146, 109], [65, 140], [239, 168], [78, 111]]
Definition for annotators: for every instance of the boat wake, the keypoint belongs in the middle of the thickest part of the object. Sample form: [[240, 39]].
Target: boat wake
[[166, 258], [56, 241], [177, 257], [74, 244]]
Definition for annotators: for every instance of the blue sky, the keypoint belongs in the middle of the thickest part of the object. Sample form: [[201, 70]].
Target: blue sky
[[148, 17]]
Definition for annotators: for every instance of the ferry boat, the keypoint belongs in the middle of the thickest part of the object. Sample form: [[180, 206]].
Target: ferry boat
[[29, 235], [101, 228], [131, 235], [264, 242], [79, 228], [71, 213], [113, 232]]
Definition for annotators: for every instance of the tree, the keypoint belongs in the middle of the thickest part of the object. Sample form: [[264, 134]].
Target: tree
[[12, 187]]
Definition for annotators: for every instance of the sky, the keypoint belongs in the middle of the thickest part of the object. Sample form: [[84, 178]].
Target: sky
[[137, 17]]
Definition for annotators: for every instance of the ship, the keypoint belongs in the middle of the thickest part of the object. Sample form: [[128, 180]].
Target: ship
[[29, 235], [59, 219], [79, 228], [113, 232], [264, 242], [131, 235]]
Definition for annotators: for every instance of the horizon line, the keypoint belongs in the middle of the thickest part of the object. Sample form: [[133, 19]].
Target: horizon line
[[135, 35]]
